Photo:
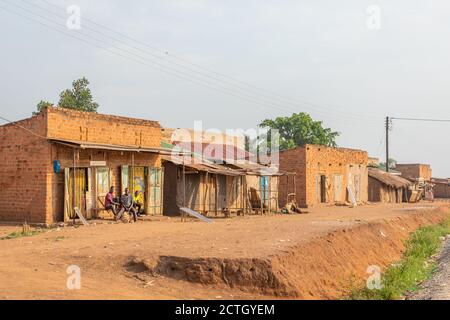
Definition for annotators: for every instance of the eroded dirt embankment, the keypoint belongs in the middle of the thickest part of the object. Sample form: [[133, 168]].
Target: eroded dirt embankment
[[323, 268]]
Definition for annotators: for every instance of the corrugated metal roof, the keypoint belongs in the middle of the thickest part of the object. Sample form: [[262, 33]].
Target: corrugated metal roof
[[259, 170], [201, 165], [112, 147]]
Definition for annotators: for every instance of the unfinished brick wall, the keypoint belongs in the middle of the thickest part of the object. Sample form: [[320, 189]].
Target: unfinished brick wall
[[415, 171], [98, 128], [338, 166], [25, 171], [31, 191], [441, 190], [293, 161]]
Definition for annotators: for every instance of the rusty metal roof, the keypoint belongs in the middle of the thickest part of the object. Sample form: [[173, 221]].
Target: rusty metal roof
[[112, 147], [203, 165]]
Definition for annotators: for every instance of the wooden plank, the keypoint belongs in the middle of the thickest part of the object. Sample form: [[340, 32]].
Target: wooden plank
[[351, 196], [195, 214], [80, 216]]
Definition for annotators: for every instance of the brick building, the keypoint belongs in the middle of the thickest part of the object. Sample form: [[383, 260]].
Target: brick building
[[323, 175], [441, 187], [387, 187], [60, 159], [416, 172]]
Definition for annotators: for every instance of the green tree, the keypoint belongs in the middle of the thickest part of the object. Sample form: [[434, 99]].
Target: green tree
[[300, 129], [41, 106], [392, 164], [79, 97]]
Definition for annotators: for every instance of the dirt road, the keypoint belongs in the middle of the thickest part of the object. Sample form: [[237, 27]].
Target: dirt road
[[35, 267], [438, 287]]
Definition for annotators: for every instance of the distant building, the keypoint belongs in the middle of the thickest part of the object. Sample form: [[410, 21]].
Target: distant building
[[325, 175], [441, 188], [386, 187], [373, 162], [417, 172], [421, 175]]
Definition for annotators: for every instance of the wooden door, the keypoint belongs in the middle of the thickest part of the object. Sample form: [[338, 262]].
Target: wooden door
[[75, 190], [102, 185], [154, 194], [221, 192], [338, 181]]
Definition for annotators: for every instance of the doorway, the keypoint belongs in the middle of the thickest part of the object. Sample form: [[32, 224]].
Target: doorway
[[323, 189], [76, 189]]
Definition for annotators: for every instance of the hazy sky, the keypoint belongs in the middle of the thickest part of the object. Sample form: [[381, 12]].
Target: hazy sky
[[320, 52]]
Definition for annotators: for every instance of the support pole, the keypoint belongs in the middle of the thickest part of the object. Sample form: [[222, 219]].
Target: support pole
[[387, 144]]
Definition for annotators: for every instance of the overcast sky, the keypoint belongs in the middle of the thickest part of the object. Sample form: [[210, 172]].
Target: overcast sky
[[328, 58]]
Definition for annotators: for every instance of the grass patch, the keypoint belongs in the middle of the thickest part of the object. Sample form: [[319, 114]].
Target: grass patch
[[414, 267], [21, 234]]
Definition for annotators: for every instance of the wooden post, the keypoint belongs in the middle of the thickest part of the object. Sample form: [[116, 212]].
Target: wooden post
[[216, 195]]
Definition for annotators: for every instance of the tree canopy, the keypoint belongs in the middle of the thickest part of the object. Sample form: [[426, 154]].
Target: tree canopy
[[41, 106], [78, 98], [300, 129], [392, 164]]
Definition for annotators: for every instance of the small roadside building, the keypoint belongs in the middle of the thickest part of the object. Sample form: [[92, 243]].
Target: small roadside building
[[417, 171], [325, 175], [386, 187], [61, 159], [441, 188], [202, 186], [215, 179], [420, 174]]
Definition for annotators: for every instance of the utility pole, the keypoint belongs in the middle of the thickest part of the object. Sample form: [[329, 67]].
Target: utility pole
[[387, 144]]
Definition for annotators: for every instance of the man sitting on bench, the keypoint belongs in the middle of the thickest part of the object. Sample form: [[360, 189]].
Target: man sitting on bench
[[110, 203], [127, 202]]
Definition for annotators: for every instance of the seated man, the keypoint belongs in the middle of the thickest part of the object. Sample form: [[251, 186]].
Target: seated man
[[126, 200], [110, 203], [138, 202]]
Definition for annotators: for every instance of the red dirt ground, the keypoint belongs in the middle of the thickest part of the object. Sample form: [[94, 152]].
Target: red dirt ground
[[313, 255]]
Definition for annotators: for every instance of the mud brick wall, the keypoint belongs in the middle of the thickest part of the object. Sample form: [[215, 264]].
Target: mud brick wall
[[293, 161], [310, 162], [114, 160], [98, 128], [25, 171], [31, 191], [415, 171], [441, 190]]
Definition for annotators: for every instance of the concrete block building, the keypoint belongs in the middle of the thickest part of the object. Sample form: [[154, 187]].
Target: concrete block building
[[61, 159], [325, 175], [416, 172]]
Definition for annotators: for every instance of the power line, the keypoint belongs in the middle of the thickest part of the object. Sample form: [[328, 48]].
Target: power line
[[421, 119], [22, 127], [175, 74], [232, 91], [261, 91]]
